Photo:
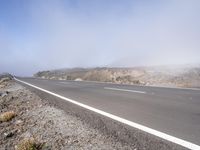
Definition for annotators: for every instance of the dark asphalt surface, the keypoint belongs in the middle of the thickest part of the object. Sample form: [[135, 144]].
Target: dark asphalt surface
[[173, 111]]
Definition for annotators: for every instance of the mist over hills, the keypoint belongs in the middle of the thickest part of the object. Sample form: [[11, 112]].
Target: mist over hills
[[172, 76]]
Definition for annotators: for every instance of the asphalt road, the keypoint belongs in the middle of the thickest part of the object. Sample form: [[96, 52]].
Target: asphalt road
[[170, 110]]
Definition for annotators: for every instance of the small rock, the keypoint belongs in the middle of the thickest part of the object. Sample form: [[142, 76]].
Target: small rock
[[27, 135], [46, 147], [4, 94], [75, 141], [18, 131], [18, 122], [9, 134], [21, 113]]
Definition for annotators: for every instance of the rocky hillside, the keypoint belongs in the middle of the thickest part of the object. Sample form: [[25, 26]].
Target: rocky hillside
[[176, 76]]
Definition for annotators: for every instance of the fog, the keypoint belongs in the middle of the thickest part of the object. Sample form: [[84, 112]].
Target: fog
[[43, 35]]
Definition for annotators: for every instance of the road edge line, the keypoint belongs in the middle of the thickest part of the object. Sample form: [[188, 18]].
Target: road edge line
[[124, 90]]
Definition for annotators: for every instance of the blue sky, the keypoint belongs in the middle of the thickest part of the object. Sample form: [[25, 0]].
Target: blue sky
[[47, 34]]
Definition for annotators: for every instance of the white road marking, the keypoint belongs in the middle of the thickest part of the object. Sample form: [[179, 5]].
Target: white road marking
[[162, 135], [125, 90], [64, 82], [154, 86]]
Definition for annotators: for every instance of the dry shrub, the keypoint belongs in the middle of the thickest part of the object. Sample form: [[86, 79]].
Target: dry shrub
[[4, 79], [29, 144], [7, 116]]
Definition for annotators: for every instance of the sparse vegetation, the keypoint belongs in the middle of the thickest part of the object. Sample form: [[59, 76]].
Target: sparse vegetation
[[7, 116], [29, 144], [4, 80]]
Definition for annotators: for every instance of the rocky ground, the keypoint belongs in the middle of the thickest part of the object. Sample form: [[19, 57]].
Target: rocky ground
[[29, 123], [170, 76]]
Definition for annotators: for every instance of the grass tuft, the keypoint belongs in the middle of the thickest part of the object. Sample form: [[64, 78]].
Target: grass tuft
[[7, 116], [29, 144]]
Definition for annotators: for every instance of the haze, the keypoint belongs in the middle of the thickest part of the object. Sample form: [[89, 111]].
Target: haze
[[41, 35]]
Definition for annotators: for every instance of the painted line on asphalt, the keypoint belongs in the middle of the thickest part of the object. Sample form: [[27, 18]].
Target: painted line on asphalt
[[64, 82], [153, 86], [124, 90], [162, 135]]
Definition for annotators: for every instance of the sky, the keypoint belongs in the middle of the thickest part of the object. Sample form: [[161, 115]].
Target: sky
[[47, 34]]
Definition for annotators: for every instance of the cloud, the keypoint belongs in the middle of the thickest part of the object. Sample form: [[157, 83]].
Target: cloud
[[62, 34]]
